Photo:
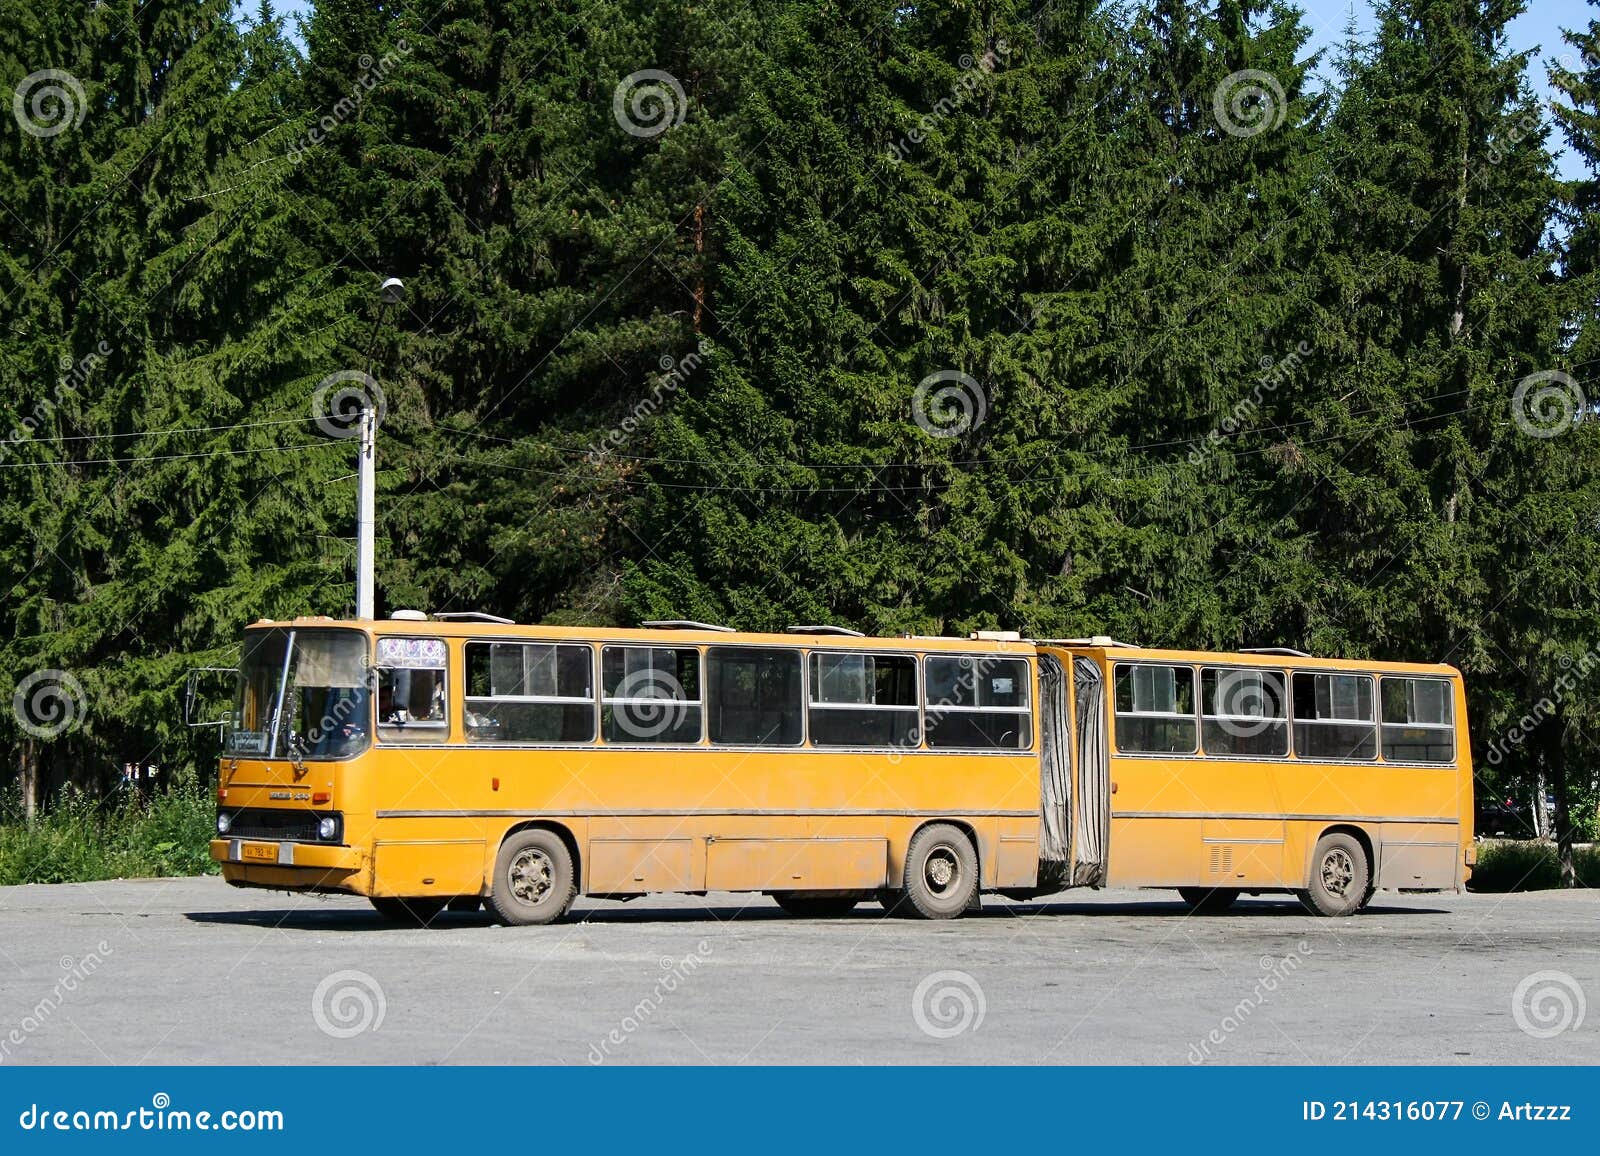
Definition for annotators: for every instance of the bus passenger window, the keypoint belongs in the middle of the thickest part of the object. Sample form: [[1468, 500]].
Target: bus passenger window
[[1333, 717], [650, 694], [977, 703], [1418, 720], [411, 690], [1243, 713], [530, 692], [755, 696], [1155, 710], [863, 700]]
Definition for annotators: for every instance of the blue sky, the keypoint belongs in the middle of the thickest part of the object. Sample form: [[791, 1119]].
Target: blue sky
[[1539, 26]]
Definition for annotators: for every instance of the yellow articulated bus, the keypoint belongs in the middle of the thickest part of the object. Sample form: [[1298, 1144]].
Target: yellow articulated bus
[[459, 760]]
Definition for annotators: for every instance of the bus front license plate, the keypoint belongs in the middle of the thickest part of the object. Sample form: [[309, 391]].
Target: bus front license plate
[[259, 852]]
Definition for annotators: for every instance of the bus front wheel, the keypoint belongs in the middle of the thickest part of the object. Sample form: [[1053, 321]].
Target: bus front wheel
[[534, 879], [941, 878], [1208, 900], [1340, 877]]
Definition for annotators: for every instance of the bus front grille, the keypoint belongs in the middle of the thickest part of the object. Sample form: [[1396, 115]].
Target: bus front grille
[[263, 823]]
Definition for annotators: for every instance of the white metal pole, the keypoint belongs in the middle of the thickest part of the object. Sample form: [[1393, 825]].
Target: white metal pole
[[366, 496]]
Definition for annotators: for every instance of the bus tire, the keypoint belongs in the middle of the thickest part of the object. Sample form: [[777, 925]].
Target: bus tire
[[417, 912], [534, 879], [1340, 876], [941, 876], [815, 906], [1208, 900]]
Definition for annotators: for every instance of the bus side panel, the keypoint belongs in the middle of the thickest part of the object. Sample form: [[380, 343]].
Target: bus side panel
[[1419, 857], [1153, 852], [803, 863], [1242, 852], [444, 867], [1016, 857]]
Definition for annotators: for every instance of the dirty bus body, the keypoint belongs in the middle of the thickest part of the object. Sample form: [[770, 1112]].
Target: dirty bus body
[[422, 762]]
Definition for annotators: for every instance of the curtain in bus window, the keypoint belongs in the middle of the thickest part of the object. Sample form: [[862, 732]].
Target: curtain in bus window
[[1418, 720], [1333, 717], [977, 703], [1155, 709], [530, 692], [331, 660], [1091, 827], [863, 700], [650, 694], [1055, 772], [1243, 712], [327, 704]]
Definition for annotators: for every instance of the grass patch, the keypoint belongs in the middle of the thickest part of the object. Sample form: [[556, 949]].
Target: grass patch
[[1529, 865], [80, 840]]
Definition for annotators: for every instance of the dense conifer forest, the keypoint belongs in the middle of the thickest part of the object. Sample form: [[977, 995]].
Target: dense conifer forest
[[1138, 319]]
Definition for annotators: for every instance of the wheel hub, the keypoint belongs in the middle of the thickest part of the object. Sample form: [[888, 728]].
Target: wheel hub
[[941, 870], [1338, 871], [530, 876]]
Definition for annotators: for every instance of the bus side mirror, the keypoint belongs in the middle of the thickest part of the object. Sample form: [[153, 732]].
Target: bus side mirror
[[191, 694]]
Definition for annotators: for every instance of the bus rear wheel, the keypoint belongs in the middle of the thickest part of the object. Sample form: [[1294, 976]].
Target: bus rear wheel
[[1340, 877], [1208, 900], [941, 877], [413, 912], [820, 906], [534, 879]]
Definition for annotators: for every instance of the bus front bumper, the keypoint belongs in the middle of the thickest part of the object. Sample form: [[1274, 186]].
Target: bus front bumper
[[288, 865]]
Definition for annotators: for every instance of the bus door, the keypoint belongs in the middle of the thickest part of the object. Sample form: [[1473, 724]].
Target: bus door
[[1055, 772], [1091, 820]]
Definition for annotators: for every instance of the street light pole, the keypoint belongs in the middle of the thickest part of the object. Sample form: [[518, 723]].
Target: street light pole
[[366, 498], [390, 293]]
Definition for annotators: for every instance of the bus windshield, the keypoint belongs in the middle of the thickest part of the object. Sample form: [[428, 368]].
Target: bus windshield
[[302, 695]]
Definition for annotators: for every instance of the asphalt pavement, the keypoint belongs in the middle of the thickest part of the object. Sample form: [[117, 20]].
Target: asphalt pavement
[[190, 971]]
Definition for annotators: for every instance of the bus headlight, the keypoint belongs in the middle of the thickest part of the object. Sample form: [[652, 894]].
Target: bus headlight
[[224, 821], [328, 828]]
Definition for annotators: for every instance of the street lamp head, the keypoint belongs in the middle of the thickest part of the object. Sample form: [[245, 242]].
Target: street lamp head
[[392, 291]]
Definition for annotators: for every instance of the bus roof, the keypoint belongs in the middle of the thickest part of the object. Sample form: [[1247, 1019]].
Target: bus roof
[[708, 636], [1257, 658], [654, 636]]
